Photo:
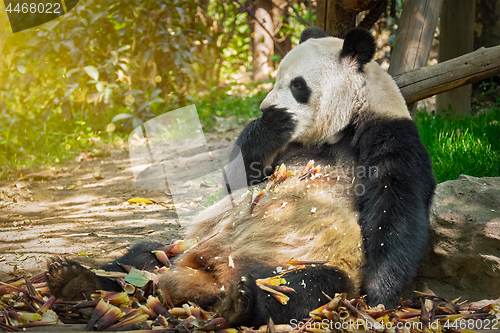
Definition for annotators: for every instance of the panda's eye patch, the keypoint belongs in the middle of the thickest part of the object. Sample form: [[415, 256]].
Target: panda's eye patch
[[300, 90]]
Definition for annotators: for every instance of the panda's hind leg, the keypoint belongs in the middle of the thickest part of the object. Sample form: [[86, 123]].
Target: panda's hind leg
[[69, 280], [248, 305]]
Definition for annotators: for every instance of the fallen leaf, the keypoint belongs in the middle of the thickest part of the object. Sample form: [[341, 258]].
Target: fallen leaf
[[140, 200], [136, 278]]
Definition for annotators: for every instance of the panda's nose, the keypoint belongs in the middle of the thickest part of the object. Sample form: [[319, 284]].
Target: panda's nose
[[269, 100]]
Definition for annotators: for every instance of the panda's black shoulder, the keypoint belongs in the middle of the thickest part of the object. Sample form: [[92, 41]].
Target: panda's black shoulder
[[378, 138], [388, 134]]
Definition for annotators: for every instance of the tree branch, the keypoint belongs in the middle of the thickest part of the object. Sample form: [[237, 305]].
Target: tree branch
[[301, 20]]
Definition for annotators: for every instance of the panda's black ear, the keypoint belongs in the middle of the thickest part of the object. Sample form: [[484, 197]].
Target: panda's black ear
[[312, 32], [359, 44]]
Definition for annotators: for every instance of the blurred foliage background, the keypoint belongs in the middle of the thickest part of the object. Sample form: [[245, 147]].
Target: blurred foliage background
[[63, 83], [89, 77]]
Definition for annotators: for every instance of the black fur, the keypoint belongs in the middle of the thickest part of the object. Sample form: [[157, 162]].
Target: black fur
[[139, 256], [260, 142], [248, 305], [69, 280], [396, 199], [300, 91], [312, 32], [360, 45]]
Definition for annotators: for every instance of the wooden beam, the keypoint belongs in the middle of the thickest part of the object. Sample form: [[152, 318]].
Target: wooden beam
[[427, 81]]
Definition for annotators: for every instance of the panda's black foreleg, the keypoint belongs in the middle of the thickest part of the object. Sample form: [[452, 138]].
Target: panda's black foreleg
[[394, 207], [261, 141], [248, 305]]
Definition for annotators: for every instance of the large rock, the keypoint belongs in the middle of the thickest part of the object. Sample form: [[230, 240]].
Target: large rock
[[464, 247]]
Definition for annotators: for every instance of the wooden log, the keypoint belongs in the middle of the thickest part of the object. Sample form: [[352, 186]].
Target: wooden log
[[427, 81], [414, 37]]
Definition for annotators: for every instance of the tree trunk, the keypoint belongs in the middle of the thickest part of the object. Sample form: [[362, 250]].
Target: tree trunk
[[263, 44], [337, 17], [487, 25], [456, 38]]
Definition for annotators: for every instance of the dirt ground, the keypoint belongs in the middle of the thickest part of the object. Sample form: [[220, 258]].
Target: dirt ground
[[79, 210]]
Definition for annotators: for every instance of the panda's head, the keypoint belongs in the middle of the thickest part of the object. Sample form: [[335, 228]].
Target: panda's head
[[325, 82]]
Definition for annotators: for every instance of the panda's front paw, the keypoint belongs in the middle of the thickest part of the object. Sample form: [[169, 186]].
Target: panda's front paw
[[278, 119], [239, 304]]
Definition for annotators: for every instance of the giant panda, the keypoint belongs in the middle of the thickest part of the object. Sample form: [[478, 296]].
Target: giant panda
[[365, 212]]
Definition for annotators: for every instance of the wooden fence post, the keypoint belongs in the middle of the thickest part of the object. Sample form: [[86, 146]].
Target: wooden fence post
[[414, 37], [456, 38]]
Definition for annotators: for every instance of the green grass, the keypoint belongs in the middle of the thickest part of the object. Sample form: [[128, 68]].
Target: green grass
[[467, 145]]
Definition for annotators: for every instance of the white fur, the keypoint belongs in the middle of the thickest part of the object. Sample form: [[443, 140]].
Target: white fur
[[338, 90]]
